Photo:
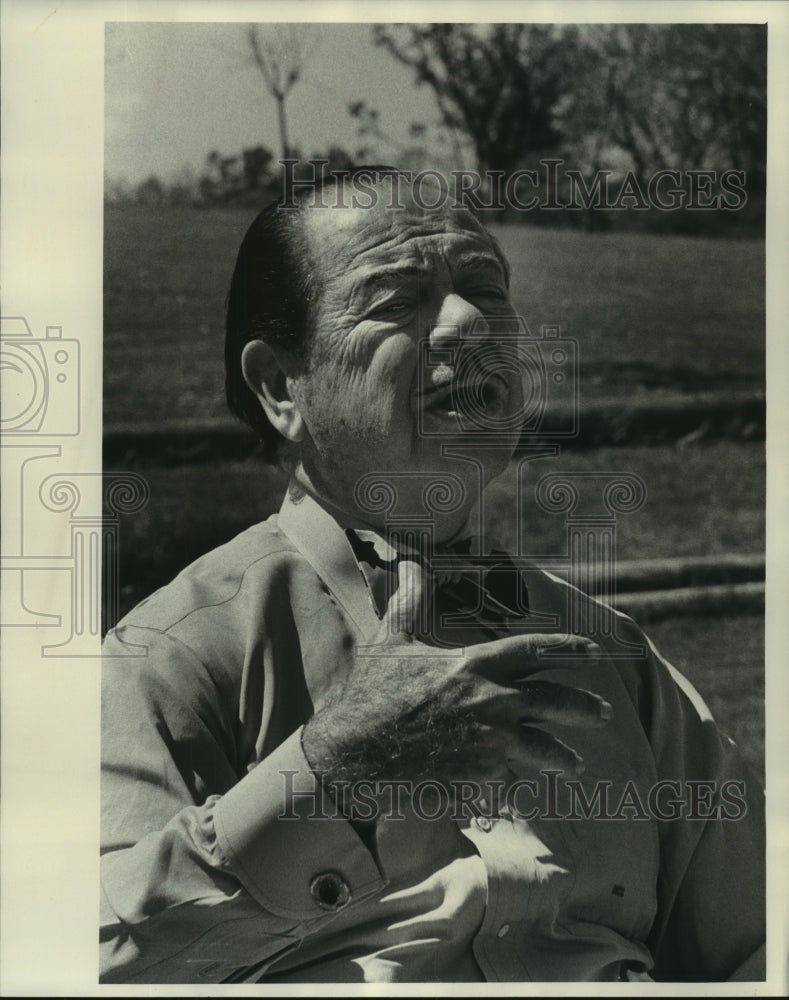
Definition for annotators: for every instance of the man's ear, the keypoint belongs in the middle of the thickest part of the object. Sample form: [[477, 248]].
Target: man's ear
[[265, 377]]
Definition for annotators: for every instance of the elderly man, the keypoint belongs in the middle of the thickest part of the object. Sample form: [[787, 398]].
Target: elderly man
[[362, 744]]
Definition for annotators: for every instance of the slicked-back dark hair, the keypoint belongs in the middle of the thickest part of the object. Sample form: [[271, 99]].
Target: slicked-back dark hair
[[271, 294]]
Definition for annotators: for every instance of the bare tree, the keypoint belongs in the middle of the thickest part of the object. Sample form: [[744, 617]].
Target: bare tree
[[496, 85], [280, 52]]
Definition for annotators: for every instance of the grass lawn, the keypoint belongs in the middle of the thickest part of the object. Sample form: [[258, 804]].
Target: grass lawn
[[650, 313], [701, 500]]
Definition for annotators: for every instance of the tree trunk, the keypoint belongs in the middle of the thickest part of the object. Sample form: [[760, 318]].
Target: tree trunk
[[283, 126]]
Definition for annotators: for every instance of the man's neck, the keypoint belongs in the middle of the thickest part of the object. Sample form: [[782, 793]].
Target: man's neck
[[444, 529]]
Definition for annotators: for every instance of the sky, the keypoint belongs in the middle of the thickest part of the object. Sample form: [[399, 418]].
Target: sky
[[175, 91]]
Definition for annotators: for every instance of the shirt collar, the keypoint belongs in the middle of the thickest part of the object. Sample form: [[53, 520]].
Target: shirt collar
[[324, 544]]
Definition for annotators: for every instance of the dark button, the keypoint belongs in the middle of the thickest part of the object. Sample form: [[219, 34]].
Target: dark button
[[330, 891]]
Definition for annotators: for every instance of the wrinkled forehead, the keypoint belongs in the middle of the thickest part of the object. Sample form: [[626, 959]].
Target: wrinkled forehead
[[347, 236]]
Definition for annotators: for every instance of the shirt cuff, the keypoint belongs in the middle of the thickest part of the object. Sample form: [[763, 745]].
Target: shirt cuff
[[283, 838]]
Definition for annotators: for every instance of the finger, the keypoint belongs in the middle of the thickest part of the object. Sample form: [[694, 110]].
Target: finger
[[406, 611], [540, 750], [515, 657], [546, 702]]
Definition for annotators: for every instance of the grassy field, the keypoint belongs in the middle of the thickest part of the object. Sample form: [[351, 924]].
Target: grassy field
[[650, 313]]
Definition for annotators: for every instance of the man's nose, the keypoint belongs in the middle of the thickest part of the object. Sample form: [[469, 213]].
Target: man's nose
[[457, 319]]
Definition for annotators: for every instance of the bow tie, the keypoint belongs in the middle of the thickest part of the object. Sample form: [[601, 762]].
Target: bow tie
[[486, 588]]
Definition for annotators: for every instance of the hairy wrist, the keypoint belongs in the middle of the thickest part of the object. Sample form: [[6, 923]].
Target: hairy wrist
[[427, 742]]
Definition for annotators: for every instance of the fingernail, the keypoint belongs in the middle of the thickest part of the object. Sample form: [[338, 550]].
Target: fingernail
[[580, 766], [595, 650], [606, 711]]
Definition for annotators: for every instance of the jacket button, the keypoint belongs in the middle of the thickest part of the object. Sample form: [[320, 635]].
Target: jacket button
[[330, 891]]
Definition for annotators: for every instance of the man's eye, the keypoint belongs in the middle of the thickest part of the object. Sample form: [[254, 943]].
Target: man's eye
[[392, 307], [495, 292]]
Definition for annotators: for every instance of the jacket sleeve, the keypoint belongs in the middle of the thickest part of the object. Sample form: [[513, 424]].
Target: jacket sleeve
[[207, 869], [711, 922]]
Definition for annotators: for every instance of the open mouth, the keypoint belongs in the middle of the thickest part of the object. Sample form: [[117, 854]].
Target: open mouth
[[484, 394]]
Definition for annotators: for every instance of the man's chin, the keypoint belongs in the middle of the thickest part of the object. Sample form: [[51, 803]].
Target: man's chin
[[455, 474]]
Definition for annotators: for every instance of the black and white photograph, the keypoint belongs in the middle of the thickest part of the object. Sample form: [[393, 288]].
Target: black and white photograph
[[391, 587]]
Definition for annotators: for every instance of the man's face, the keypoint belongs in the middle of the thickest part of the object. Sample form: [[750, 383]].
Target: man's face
[[389, 281]]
